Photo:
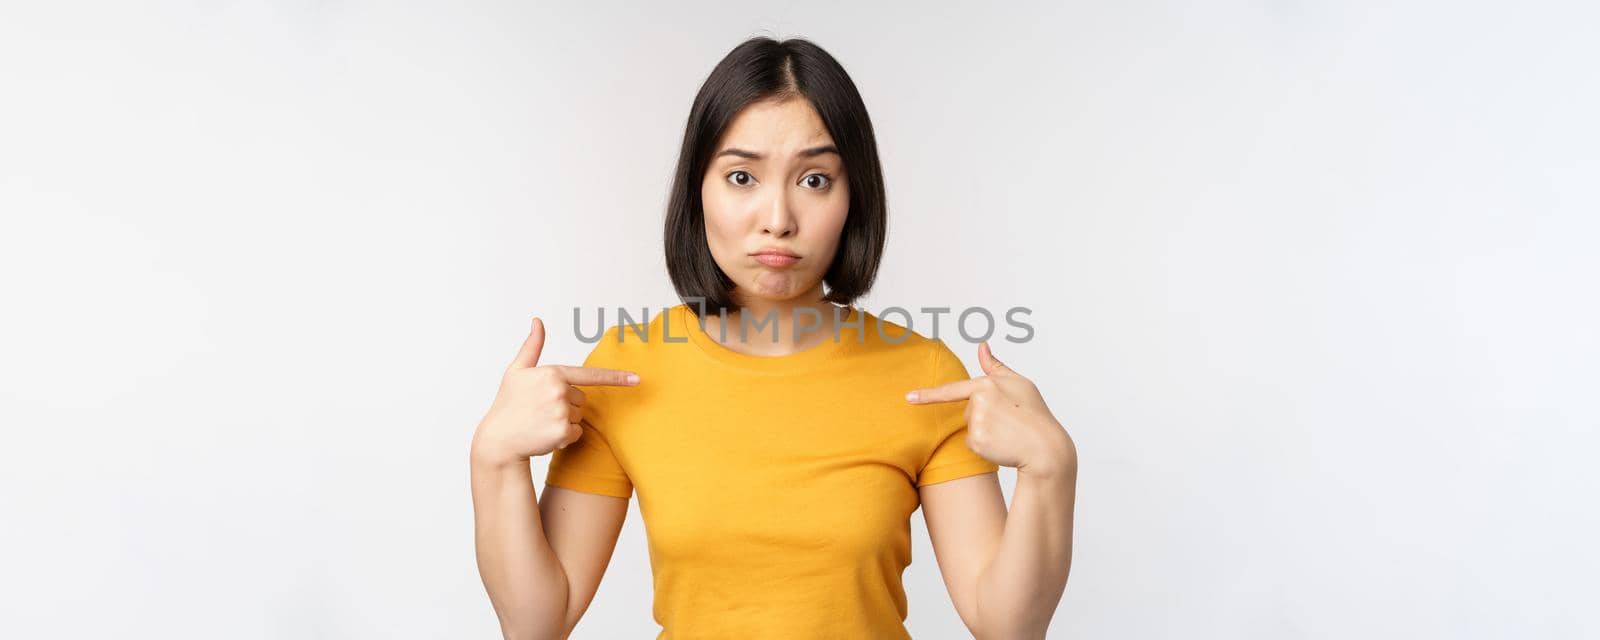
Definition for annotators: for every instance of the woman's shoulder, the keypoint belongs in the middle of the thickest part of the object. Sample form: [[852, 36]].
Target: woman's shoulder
[[909, 352], [883, 333], [625, 336]]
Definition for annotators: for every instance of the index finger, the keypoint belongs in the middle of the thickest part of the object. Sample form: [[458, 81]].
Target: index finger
[[599, 376], [947, 392]]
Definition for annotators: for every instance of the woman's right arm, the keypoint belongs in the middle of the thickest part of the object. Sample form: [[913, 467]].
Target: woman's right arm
[[541, 561]]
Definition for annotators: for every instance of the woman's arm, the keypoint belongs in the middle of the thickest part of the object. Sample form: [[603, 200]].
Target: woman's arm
[[1019, 589], [541, 561], [1005, 572], [520, 570]]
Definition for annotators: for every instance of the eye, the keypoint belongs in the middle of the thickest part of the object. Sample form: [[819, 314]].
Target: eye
[[735, 178], [822, 181]]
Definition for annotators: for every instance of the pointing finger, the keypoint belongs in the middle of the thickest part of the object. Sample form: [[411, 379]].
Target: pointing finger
[[948, 392], [599, 376]]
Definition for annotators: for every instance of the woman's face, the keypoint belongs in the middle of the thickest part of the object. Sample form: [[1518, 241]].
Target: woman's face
[[775, 183]]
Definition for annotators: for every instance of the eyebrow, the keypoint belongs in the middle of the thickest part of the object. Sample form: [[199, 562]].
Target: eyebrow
[[751, 155]]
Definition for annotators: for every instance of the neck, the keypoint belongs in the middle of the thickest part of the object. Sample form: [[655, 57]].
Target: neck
[[777, 337]]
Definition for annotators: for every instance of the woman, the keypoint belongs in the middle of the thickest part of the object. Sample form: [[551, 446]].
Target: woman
[[776, 477]]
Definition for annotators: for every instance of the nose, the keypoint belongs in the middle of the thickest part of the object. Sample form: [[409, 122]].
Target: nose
[[779, 219]]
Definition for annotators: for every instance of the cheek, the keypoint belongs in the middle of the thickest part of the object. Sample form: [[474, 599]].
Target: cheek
[[719, 214], [831, 215]]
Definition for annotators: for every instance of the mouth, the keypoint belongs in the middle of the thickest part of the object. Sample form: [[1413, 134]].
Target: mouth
[[775, 257]]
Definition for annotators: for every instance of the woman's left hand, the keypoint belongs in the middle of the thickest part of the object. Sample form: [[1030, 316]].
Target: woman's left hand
[[1007, 420]]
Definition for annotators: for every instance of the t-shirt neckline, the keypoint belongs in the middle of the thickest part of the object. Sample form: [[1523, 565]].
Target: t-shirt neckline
[[684, 320]]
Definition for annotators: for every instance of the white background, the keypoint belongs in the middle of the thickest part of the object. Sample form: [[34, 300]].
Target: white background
[[1313, 284]]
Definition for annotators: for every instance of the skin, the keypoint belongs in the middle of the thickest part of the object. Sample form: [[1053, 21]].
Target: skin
[[793, 195], [1005, 571], [541, 559]]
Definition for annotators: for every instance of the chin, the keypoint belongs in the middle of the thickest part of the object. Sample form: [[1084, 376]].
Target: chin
[[755, 293]]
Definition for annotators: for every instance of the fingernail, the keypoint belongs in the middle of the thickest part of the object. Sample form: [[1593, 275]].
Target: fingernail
[[633, 378], [911, 396]]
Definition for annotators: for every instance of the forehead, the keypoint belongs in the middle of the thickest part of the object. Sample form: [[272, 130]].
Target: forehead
[[770, 125]]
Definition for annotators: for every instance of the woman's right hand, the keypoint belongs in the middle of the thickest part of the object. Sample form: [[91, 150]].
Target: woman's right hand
[[537, 409]]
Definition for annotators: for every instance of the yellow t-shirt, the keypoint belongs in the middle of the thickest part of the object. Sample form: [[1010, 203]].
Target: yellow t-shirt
[[776, 492]]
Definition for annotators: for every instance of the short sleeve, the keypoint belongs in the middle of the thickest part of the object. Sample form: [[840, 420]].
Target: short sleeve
[[951, 459], [590, 464]]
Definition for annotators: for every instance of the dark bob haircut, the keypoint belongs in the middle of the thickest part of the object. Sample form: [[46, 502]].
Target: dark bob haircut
[[758, 69]]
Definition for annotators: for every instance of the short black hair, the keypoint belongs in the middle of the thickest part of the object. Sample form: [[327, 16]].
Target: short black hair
[[758, 69]]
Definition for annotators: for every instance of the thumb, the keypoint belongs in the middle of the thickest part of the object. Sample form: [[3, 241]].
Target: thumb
[[991, 365], [574, 432], [528, 355]]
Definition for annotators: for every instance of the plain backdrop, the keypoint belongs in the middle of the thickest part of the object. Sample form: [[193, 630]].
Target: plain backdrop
[[1313, 288]]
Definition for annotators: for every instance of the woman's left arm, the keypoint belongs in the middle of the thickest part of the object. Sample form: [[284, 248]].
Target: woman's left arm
[[1005, 572]]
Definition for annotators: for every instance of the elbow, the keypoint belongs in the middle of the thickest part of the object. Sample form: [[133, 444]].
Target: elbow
[[1009, 625], [548, 618], [522, 630], [531, 632], [1009, 632], [535, 628]]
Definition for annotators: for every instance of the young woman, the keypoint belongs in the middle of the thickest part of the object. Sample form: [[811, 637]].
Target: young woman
[[767, 426]]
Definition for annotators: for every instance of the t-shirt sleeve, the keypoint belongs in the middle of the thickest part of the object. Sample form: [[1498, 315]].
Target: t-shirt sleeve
[[951, 459], [590, 464]]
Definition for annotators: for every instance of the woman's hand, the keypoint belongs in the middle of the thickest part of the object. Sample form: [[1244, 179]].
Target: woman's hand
[[1007, 420], [537, 409]]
